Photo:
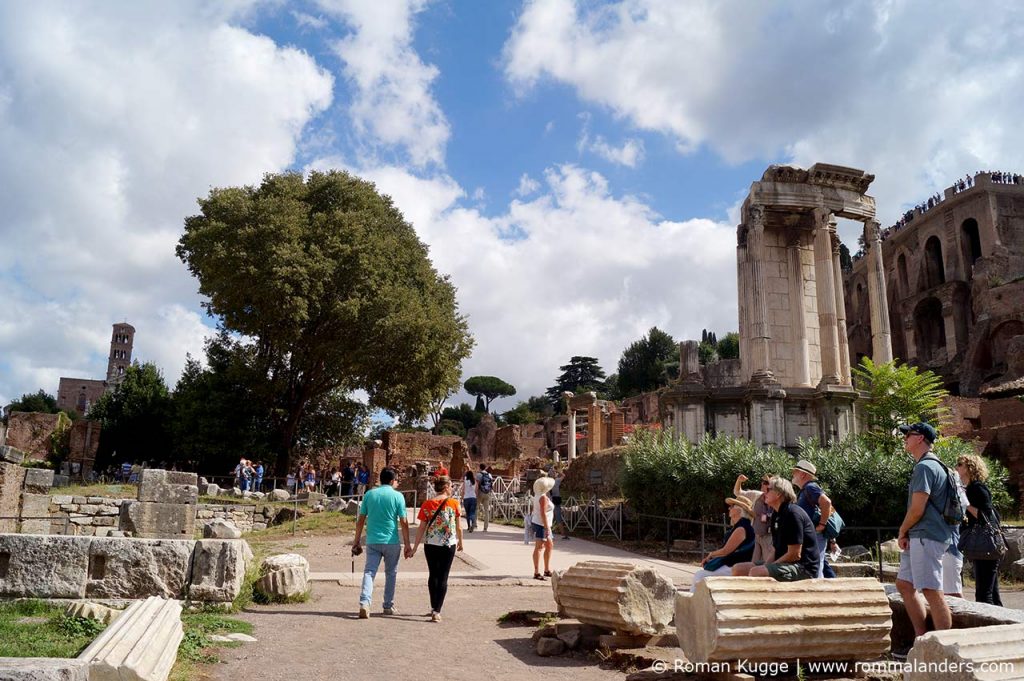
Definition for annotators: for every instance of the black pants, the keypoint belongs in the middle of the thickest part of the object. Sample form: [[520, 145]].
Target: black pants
[[439, 563], [986, 581]]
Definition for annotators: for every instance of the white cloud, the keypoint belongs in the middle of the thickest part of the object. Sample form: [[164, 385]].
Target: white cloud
[[304, 20], [915, 93], [630, 154], [113, 119], [393, 101], [527, 185], [587, 272]]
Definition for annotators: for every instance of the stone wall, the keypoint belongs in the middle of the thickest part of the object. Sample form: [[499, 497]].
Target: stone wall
[[12, 479], [84, 443], [30, 432], [518, 441], [246, 517], [85, 516], [997, 430]]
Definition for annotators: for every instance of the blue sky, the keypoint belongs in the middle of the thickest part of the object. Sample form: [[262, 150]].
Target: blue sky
[[574, 166]]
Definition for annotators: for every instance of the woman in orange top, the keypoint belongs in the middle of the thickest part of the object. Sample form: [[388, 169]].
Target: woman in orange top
[[439, 521]]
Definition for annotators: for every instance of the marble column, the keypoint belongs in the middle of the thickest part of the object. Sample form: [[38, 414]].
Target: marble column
[[760, 327], [826, 283], [572, 434], [878, 301], [844, 346], [798, 296]]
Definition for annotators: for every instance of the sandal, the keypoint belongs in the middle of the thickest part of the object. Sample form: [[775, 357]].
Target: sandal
[[537, 575], [547, 573]]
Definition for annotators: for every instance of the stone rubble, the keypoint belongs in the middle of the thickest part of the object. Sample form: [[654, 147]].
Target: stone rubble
[[283, 576], [619, 596], [140, 645]]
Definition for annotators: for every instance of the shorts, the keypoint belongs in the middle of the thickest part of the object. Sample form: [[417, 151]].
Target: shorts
[[952, 566], [921, 565], [539, 533], [787, 572]]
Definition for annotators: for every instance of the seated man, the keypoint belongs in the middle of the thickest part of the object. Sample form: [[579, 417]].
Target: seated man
[[796, 546]]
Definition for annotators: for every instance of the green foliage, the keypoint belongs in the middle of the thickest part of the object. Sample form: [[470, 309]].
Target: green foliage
[[451, 427], [41, 401], [580, 375], [522, 413], [665, 475], [707, 353], [729, 346], [136, 416], [59, 445], [489, 388], [643, 366], [47, 634], [335, 290], [464, 414], [669, 476], [898, 394]]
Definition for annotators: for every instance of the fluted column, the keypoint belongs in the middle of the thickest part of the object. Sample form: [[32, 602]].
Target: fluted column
[[571, 448], [881, 334], [760, 327], [844, 346], [826, 283], [799, 309]]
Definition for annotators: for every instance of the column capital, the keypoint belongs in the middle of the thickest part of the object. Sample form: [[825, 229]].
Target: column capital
[[872, 231], [756, 216]]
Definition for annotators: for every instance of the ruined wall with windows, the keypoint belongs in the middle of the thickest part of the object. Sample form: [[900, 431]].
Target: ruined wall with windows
[[954, 271]]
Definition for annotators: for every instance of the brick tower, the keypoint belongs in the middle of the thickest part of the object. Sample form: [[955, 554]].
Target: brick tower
[[120, 352]]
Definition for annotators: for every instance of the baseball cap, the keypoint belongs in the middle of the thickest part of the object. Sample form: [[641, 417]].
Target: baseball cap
[[923, 429]]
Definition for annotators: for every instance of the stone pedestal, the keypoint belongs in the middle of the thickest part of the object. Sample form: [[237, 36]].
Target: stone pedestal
[[758, 618], [158, 521], [618, 596]]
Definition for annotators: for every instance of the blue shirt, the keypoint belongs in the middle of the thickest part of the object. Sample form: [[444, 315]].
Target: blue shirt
[[929, 476], [383, 507], [808, 500]]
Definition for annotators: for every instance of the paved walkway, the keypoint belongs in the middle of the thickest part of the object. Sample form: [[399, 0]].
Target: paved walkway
[[499, 556]]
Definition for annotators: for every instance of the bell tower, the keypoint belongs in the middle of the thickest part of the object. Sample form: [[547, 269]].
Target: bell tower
[[120, 359]]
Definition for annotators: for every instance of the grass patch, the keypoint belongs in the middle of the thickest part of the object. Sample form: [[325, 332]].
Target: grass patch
[[47, 634], [196, 647], [109, 491], [310, 525]]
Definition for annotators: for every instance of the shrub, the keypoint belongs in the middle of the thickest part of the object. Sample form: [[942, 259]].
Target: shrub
[[668, 476]]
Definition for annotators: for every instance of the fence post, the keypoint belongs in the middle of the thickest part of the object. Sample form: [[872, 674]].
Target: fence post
[[597, 516], [668, 538], [295, 513], [878, 543], [702, 528]]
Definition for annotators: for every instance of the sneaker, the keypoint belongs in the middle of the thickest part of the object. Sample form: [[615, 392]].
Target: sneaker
[[435, 617], [364, 612], [389, 611]]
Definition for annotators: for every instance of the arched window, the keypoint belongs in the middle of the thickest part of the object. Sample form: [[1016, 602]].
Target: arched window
[[901, 265], [970, 243], [931, 332], [934, 271]]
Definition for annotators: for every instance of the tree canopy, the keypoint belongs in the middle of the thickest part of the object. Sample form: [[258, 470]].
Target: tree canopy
[[136, 416], [41, 401], [332, 291], [644, 365], [489, 388], [580, 375]]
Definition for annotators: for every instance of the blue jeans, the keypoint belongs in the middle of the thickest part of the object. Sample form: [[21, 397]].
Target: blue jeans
[[470, 505], [822, 543], [391, 553]]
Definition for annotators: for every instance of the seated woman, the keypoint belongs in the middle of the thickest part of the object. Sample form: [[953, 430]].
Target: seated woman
[[738, 548]]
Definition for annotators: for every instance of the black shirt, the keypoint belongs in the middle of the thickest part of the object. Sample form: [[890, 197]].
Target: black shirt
[[980, 498], [791, 525], [745, 551]]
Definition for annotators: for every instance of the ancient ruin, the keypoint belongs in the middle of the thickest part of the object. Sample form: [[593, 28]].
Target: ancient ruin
[[963, 652], [758, 618], [618, 596]]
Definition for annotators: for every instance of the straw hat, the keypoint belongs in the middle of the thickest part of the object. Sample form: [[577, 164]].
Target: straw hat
[[807, 467], [743, 503], [542, 485]]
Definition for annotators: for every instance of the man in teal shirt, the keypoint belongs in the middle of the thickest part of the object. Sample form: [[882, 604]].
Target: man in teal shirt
[[382, 513]]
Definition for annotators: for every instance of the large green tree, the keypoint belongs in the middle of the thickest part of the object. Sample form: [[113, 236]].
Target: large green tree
[[488, 388], [335, 291], [41, 401], [644, 364], [897, 394], [580, 375], [136, 417]]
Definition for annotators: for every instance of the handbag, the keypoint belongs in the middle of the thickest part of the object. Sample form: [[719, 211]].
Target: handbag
[[834, 525], [982, 541]]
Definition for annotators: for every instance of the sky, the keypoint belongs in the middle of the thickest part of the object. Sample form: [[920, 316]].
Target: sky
[[575, 167]]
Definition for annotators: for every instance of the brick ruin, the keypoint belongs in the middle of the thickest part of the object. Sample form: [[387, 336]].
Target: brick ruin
[[30, 432]]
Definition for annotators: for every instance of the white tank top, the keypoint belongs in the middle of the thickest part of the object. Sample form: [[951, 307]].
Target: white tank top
[[550, 513], [468, 489]]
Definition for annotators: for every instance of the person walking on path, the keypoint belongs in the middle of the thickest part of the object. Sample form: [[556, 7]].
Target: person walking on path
[[469, 500], [924, 534], [764, 551], [484, 485], [816, 505], [974, 472], [738, 548], [439, 523], [382, 512], [543, 517]]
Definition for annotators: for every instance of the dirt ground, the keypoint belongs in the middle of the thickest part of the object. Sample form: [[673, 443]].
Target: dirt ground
[[324, 639], [334, 554]]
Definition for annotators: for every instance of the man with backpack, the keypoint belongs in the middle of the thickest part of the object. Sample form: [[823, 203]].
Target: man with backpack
[[926, 531], [816, 505], [484, 485]]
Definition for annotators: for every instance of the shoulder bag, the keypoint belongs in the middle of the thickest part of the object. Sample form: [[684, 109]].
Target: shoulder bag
[[983, 540]]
